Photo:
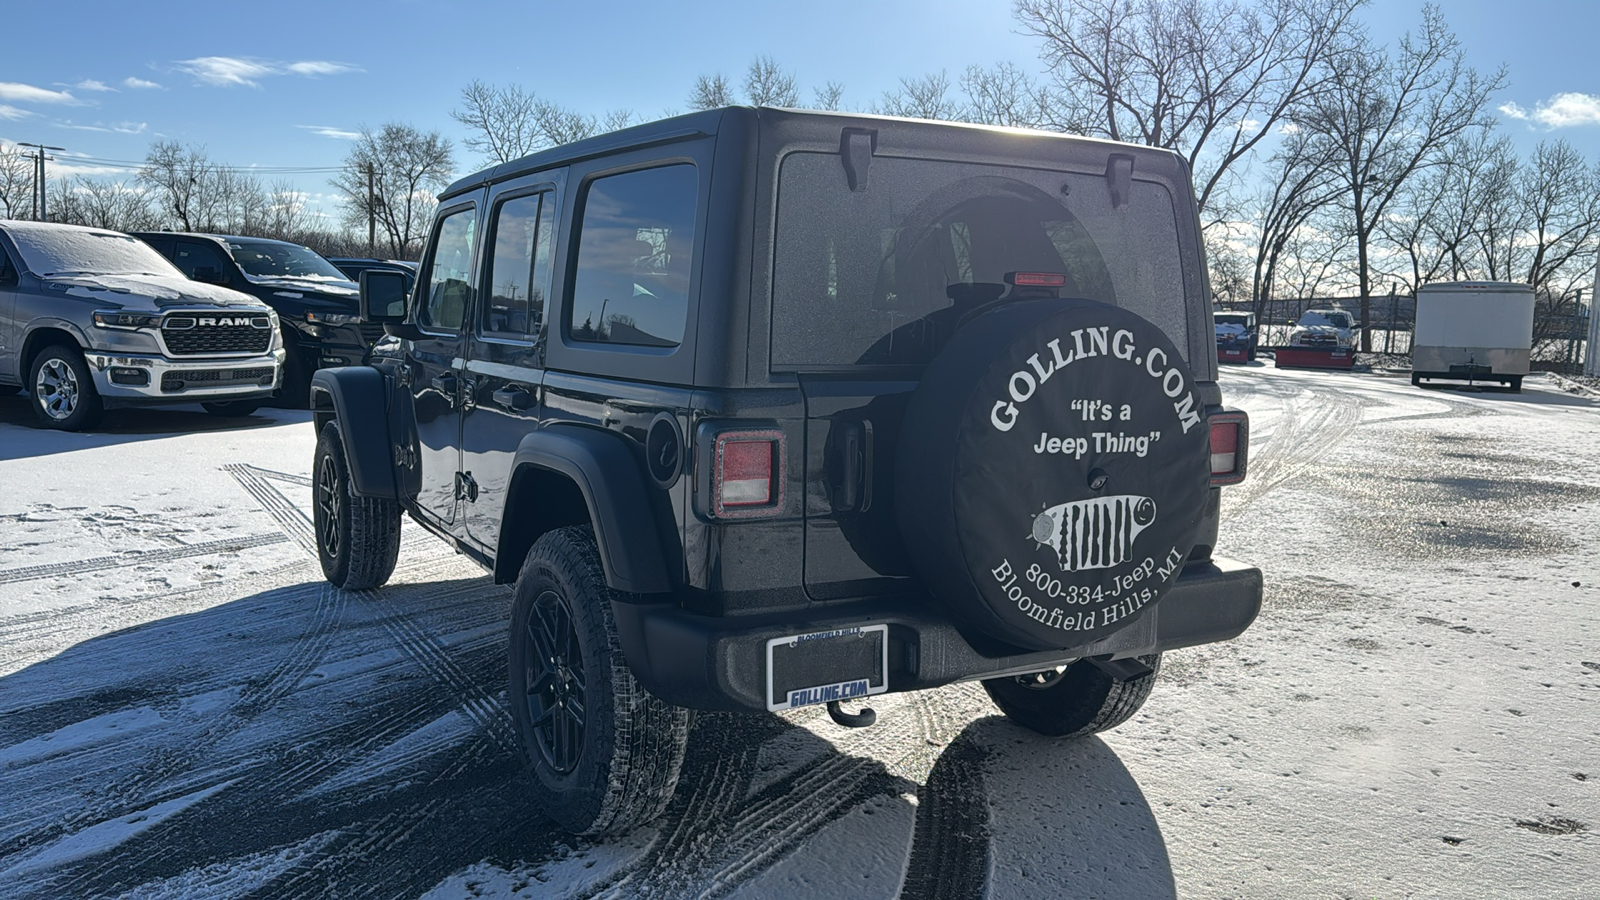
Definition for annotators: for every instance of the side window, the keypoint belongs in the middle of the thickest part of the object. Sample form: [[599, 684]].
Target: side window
[[634, 249], [449, 269], [192, 256], [519, 273], [8, 273]]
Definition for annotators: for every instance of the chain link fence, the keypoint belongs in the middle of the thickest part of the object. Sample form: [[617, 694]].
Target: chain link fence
[[1561, 325]]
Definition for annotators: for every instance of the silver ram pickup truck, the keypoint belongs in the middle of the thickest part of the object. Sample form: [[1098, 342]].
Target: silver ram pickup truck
[[91, 318]]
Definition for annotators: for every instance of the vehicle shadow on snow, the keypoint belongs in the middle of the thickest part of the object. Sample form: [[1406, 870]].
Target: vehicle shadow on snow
[[122, 426], [306, 741]]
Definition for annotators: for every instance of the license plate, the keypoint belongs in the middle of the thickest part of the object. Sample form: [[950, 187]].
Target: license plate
[[803, 669]]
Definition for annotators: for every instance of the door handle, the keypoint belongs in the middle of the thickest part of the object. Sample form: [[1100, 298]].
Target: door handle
[[514, 399], [445, 384]]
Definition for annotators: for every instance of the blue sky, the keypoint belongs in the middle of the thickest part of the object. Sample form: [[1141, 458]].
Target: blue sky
[[283, 84]]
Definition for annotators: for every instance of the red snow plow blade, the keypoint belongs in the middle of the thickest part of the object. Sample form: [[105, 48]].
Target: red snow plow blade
[[1313, 358]]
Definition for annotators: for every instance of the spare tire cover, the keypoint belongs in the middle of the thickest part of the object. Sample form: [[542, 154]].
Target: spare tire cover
[[1052, 470]]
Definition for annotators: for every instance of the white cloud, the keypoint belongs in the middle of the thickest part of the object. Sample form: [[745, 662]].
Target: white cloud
[[138, 83], [230, 71], [11, 112], [226, 70], [89, 84], [1562, 110], [328, 131], [27, 93], [321, 67], [1514, 111], [111, 128]]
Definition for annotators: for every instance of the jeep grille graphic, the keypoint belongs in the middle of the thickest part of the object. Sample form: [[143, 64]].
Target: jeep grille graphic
[[1097, 533]]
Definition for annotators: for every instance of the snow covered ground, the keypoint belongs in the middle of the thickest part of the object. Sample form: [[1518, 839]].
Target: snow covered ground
[[186, 709]]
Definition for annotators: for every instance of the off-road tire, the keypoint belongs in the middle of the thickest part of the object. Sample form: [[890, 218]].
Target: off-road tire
[[358, 538], [63, 365], [631, 744], [232, 408], [1080, 701]]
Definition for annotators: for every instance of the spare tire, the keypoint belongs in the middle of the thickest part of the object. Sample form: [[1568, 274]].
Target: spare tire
[[1052, 471]]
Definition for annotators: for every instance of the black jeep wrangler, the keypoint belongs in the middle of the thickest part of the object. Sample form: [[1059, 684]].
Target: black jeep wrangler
[[755, 407]]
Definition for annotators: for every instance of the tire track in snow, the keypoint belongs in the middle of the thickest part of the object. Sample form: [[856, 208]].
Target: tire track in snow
[[136, 558], [295, 523], [715, 837], [950, 844]]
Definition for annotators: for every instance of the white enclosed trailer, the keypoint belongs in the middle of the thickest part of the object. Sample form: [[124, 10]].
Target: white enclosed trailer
[[1473, 331]]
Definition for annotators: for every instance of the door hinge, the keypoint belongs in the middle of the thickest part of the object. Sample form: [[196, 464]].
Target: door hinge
[[466, 488]]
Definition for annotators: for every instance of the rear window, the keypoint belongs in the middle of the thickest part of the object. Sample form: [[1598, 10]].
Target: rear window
[[634, 251], [882, 277]]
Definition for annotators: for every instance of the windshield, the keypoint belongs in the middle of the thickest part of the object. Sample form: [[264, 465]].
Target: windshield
[[1238, 320], [83, 251], [269, 259], [1318, 317], [883, 276]]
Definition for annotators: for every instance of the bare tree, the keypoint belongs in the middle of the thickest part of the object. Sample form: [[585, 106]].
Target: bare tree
[[1389, 115], [16, 182], [1210, 79], [117, 205], [927, 97], [503, 121], [829, 96], [765, 84], [175, 175], [1442, 213], [1300, 184], [1005, 95], [711, 92], [1560, 198], [407, 167]]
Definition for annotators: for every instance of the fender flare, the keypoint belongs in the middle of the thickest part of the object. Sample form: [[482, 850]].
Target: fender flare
[[54, 324], [360, 401], [611, 478]]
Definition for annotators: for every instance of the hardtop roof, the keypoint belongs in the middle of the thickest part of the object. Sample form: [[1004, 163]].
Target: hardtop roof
[[706, 123]]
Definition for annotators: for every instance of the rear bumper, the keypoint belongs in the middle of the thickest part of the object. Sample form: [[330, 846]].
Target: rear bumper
[[1314, 357], [719, 663]]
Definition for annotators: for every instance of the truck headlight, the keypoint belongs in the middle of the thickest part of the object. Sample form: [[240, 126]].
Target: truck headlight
[[117, 319], [322, 318]]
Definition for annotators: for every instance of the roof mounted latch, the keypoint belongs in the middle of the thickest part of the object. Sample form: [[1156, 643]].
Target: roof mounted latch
[[855, 148], [1119, 178]]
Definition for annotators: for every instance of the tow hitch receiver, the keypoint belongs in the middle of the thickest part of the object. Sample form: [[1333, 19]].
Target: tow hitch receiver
[[1122, 669], [851, 720]]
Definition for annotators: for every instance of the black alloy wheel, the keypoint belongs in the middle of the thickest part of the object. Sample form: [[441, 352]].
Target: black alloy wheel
[[330, 502], [556, 681], [358, 538]]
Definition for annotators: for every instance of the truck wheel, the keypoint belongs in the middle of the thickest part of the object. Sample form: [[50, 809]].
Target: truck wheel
[[231, 408], [358, 538], [63, 390], [604, 754], [1080, 700], [1516, 384]]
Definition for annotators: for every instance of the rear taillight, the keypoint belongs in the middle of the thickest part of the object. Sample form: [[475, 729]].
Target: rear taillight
[[747, 474], [1230, 441]]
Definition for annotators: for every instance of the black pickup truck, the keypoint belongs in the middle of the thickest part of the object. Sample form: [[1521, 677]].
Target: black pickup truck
[[315, 302]]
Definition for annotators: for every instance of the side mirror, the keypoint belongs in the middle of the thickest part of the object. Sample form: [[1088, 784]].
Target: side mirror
[[383, 296]]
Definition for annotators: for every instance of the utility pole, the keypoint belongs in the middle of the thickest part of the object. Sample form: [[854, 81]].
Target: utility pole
[[40, 213]]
